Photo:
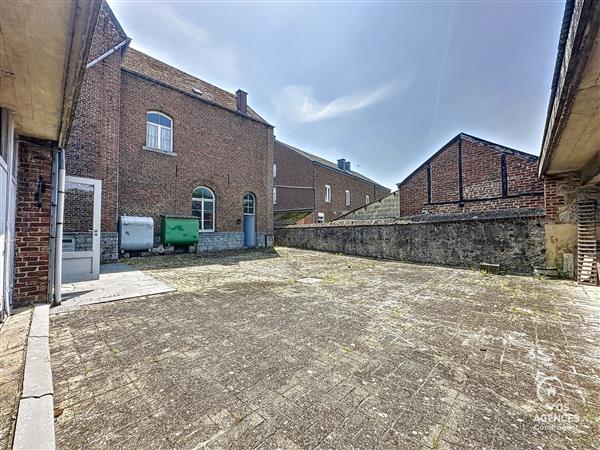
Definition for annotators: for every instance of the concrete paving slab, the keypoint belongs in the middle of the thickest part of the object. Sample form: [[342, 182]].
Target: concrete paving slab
[[117, 281], [35, 424], [37, 380], [40, 322], [377, 354]]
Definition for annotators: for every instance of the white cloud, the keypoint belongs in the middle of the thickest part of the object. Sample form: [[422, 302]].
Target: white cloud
[[298, 102]]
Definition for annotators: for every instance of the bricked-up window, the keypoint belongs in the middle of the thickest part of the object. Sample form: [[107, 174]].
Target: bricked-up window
[[321, 218], [347, 195], [327, 193], [159, 131], [203, 207]]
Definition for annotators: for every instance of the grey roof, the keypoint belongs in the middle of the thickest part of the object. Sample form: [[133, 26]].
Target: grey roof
[[330, 165]]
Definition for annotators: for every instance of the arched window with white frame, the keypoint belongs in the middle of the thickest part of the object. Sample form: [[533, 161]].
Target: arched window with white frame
[[203, 207], [159, 131]]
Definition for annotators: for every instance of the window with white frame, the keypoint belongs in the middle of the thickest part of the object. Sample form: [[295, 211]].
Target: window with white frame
[[367, 199], [274, 170], [347, 193], [159, 131], [321, 218], [249, 204], [203, 207], [327, 193], [274, 195]]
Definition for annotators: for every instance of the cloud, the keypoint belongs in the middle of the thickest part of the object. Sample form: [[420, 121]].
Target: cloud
[[299, 103], [200, 42]]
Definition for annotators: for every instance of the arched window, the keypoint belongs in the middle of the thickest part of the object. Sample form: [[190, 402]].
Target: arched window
[[159, 131], [203, 207], [249, 204]]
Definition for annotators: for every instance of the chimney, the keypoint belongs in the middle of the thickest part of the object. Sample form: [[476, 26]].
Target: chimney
[[342, 164], [242, 101], [347, 165]]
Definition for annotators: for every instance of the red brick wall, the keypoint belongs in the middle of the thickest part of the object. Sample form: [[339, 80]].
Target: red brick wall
[[32, 225], [444, 175], [292, 170], [215, 148], [93, 148], [481, 171], [481, 181], [413, 194]]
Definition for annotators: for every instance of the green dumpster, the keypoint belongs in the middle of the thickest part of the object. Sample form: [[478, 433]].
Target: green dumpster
[[177, 230]]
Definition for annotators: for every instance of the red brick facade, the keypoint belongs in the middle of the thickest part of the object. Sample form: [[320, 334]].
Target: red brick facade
[[470, 174], [214, 145], [32, 225], [93, 148], [301, 180]]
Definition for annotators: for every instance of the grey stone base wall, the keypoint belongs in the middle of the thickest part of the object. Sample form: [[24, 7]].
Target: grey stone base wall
[[82, 242], [109, 246], [514, 243], [219, 241]]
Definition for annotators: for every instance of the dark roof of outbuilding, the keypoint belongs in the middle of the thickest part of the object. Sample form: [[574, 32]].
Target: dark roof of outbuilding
[[328, 164], [155, 70], [468, 137]]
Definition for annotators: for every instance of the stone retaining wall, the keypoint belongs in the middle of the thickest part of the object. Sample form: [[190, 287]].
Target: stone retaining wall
[[516, 243]]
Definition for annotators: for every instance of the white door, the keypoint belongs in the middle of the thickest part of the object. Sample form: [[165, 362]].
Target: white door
[[81, 230], [8, 191]]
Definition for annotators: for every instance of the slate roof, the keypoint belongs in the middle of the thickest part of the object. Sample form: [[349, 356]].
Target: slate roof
[[330, 165], [140, 63]]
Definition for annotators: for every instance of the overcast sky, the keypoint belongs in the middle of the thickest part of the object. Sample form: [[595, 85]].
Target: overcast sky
[[383, 84]]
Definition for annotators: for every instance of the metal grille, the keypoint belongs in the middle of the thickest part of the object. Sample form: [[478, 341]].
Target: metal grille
[[587, 252]]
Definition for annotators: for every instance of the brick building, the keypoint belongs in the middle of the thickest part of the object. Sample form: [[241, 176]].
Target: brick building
[[309, 189], [163, 142], [570, 161], [42, 54], [467, 174]]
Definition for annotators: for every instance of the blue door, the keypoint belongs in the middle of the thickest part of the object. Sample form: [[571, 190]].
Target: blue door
[[249, 220]]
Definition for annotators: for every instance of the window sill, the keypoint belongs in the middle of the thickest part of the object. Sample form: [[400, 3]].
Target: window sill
[[158, 150]]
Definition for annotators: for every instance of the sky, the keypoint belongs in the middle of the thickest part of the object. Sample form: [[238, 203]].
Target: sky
[[381, 84]]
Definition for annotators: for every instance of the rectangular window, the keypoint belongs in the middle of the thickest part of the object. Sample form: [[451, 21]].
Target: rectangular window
[[274, 195], [327, 193], [274, 170], [367, 199], [152, 135], [347, 197], [321, 218]]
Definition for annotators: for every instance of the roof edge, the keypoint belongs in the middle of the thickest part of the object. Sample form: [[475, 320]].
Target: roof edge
[[197, 97], [469, 137]]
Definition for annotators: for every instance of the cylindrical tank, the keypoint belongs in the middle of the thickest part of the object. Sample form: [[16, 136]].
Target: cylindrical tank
[[136, 233]]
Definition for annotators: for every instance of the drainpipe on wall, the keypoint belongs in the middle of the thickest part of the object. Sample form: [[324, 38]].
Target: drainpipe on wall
[[60, 209], [53, 205]]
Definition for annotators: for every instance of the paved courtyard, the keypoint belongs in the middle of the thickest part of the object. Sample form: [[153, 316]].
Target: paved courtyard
[[300, 349]]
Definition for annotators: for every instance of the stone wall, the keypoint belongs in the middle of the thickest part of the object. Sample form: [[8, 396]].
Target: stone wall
[[220, 241], [516, 243], [387, 207]]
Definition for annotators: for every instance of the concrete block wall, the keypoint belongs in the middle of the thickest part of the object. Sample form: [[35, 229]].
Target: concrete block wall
[[387, 207]]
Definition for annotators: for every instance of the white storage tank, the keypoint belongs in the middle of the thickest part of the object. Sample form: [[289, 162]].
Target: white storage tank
[[136, 233]]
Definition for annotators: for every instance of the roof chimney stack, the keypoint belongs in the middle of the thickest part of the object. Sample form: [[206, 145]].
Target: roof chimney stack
[[242, 101], [348, 165], [342, 163]]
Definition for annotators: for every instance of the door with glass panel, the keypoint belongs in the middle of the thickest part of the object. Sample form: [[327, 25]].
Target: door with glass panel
[[81, 230], [249, 220]]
